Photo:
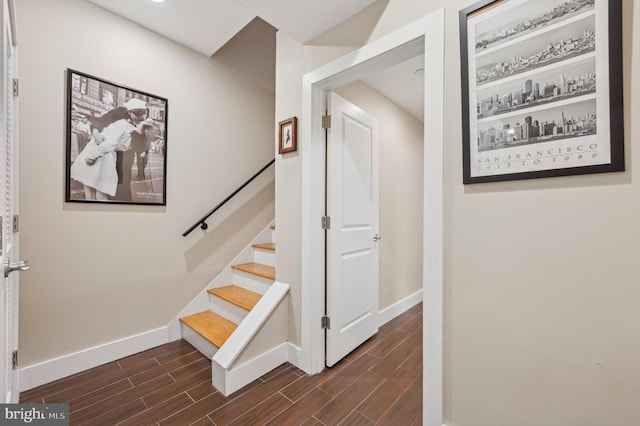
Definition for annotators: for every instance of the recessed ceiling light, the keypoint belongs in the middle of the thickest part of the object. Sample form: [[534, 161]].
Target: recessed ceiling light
[[158, 1]]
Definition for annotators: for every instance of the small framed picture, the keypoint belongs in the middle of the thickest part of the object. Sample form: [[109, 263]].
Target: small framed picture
[[116, 143], [541, 88], [288, 135]]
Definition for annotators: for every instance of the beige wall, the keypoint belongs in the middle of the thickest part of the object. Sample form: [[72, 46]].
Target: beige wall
[[401, 188], [104, 272], [541, 283], [289, 71]]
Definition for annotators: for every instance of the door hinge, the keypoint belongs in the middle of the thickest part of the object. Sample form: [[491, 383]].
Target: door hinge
[[14, 359], [16, 223], [325, 323], [325, 222], [15, 87], [326, 121]]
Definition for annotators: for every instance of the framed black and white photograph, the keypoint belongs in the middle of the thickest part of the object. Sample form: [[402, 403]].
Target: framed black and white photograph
[[116, 143], [288, 135], [541, 88]]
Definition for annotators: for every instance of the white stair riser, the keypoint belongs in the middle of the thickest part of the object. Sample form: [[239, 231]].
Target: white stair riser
[[266, 257], [226, 309], [197, 341], [251, 282], [266, 237]]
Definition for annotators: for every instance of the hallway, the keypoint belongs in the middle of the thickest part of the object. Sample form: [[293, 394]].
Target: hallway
[[379, 383]]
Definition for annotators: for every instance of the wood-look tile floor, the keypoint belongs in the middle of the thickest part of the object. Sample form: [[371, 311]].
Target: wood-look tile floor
[[380, 383]]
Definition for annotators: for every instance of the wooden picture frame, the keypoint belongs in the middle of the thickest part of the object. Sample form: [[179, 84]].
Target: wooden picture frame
[[541, 88], [288, 135], [116, 143]]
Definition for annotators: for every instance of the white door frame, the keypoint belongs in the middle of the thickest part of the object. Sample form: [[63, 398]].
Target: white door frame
[[9, 199], [425, 35]]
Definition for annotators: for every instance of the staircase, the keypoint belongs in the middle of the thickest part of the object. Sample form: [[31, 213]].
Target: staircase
[[240, 302]]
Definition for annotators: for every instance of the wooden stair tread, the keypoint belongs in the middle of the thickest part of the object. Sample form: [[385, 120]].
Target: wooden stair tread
[[211, 326], [239, 296], [266, 246], [258, 269]]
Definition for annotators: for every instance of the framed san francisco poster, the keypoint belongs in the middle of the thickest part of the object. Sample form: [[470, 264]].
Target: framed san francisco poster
[[541, 88]]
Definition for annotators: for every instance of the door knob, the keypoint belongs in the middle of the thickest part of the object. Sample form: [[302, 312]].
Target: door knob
[[21, 265], [377, 237]]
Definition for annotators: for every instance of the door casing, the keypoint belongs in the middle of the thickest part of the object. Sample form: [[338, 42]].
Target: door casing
[[426, 36], [9, 199]]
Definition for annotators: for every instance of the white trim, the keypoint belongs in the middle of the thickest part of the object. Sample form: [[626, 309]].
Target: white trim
[[66, 365], [427, 32], [251, 324], [12, 19], [294, 354], [390, 312], [312, 236], [433, 224], [229, 381]]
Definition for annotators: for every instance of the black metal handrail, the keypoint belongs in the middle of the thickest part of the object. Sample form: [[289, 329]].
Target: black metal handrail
[[202, 222]]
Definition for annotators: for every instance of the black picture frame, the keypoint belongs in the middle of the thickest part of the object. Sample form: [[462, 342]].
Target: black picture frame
[[116, 143], [516, 128]]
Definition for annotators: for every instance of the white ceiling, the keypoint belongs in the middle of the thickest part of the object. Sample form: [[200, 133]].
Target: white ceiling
[[206, 26], [404, 84]]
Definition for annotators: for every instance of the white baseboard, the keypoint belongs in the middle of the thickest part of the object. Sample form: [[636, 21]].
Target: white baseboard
[[294, 356], [66, 365], [389, 313], [246, 373]]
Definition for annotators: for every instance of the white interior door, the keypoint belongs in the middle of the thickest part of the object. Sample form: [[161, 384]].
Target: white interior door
[[8, 210], [352, 205]]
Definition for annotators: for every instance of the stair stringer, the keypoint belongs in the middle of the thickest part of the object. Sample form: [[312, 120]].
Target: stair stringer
[[201, 301], [257, 346]]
